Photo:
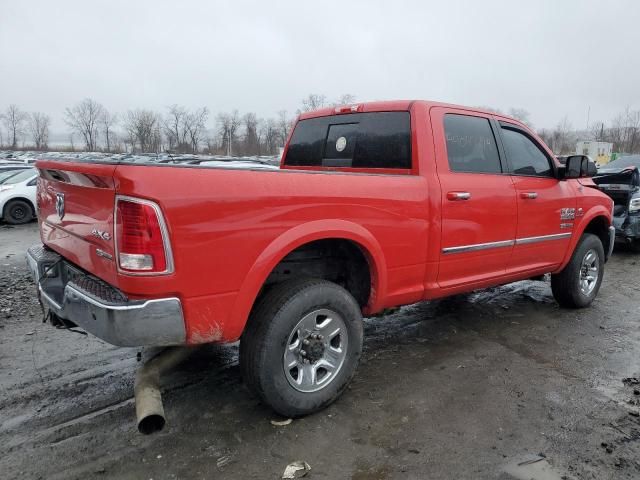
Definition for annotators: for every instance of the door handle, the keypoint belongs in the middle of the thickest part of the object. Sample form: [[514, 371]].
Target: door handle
[[458, 196], [529, 195]]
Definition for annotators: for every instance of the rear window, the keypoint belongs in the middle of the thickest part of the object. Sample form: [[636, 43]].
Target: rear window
[[357, 140]]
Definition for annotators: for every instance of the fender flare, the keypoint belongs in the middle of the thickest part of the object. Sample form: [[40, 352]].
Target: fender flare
[[303, 234], [596, 211]]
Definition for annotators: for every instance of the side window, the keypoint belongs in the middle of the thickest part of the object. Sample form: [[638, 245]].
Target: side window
[[471, 146], [359, 140], [32, 182], [525, 156]]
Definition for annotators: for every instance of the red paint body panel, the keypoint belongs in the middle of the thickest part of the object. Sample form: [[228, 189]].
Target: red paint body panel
[[229, 228]]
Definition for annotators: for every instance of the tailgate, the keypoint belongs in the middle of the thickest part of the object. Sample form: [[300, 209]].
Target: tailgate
[[75, 211]]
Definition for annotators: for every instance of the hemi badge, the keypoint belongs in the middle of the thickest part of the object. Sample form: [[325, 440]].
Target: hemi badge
[[103, 254]]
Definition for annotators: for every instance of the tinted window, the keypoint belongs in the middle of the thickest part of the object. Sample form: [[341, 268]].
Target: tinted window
[[340, 144], [471, 146], [358, 140], [525, 156]]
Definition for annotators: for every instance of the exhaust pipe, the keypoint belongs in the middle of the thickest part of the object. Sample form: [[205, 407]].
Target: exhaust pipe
[[149, 409]]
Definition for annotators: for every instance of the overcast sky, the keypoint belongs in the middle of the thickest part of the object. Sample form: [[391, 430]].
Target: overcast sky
[[552, 58]]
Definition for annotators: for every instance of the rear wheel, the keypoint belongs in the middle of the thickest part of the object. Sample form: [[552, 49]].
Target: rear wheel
[[635, 246], [302, 345], [17, 212], [578, 284]]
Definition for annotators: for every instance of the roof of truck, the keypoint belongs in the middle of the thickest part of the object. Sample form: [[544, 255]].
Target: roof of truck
[[387, 106]]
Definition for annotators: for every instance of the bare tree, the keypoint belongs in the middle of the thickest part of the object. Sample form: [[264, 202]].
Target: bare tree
[[84, 118], [39, 129], [14, 120], [522, 115], [228, 124], [345, 99], [284, 124], [313, 101], [108, 122], [195, 127], [625, 131], [143, 130], [251, 140], [270, 135], [174, 127], [563, 137], [489, 109]]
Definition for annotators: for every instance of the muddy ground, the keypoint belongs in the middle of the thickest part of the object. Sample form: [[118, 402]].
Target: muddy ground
[[472, 387]]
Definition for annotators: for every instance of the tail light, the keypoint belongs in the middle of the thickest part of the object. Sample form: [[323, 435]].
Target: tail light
[[142, 240]]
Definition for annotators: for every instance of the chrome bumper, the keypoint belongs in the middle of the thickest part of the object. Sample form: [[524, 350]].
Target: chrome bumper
[[612, 240], [102, 310]]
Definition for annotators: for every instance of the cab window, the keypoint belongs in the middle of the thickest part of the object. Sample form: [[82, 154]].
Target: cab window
[[471, 145], [359, 140], [525, 155]]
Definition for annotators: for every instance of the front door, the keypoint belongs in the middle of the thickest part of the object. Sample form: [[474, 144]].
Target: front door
[[546, 205], [478, 198]]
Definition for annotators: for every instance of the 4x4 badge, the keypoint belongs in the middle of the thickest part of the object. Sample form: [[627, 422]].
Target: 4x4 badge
[[60, 205]]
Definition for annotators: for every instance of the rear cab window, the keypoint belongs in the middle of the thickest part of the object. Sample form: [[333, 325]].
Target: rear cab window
[[373, 140]]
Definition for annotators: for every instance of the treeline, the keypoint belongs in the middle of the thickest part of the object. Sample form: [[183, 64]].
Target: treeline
[[177, 129]]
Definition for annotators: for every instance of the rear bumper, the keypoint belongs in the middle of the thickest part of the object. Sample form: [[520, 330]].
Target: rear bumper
[[102, 310]]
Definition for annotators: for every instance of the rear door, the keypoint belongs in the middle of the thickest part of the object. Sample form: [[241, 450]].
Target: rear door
[[546, 205], [478, 198]]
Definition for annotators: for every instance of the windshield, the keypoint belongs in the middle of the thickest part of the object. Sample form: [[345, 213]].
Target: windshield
[[18, 177], [622, 162]]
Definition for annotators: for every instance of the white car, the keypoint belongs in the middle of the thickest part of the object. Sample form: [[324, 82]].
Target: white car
[[18, 196]]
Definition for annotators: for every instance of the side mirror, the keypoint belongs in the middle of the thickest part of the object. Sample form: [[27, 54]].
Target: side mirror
[[578, 166], [591, 169]]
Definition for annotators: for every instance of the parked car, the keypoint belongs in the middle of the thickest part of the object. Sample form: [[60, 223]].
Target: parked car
[[9, 173], [11, 168], [620, 180], [18, 195], [375, 205]]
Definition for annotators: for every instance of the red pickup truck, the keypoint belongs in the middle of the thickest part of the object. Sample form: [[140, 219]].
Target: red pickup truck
[[374, 205]]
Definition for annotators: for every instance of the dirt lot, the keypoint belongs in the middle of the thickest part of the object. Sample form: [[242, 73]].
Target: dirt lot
[[466, 388]]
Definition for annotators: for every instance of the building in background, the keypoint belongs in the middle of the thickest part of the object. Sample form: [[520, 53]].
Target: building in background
[[599, 152]]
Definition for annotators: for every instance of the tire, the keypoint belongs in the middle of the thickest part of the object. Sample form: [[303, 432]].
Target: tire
[[17, 212], [278, 322], [571, 287]]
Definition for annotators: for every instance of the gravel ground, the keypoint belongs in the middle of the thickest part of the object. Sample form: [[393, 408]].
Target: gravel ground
[[496, 384]]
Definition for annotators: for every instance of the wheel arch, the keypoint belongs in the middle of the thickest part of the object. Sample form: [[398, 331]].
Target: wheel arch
[[595, 221], [299, 236]]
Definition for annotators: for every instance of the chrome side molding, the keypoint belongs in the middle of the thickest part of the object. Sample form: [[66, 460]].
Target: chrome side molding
[[505, 243]]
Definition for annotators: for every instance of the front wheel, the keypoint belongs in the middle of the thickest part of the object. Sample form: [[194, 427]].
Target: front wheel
[[577, 285], [301, 346]]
